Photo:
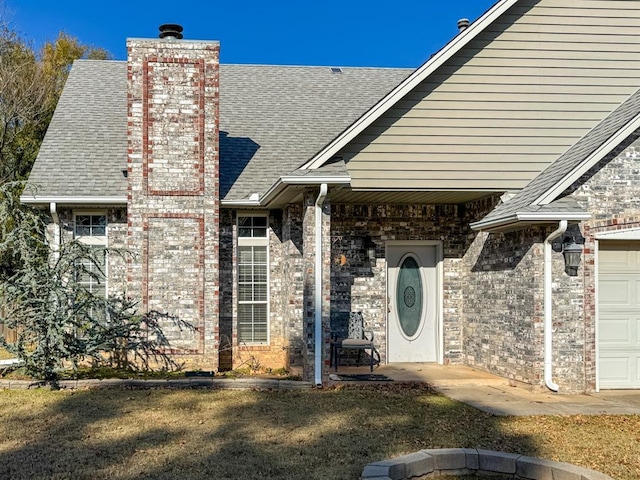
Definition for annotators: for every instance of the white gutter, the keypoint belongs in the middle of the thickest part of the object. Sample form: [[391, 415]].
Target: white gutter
[[280, 184], [548, 308], [56, 230], [529, 217], [286, 180], [314, 179], [318, 300], [240, 203], [32, 199]]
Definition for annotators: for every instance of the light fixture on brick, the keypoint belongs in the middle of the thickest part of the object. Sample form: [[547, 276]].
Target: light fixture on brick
[[572, 253]]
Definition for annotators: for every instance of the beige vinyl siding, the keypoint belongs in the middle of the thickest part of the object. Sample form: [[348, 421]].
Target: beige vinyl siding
[[509, 103]]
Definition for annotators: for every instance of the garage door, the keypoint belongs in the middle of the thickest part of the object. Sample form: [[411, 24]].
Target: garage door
[[619, 314]]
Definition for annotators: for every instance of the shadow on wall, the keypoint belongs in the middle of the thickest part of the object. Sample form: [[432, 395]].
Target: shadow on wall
[[505, 251], [237, 152]]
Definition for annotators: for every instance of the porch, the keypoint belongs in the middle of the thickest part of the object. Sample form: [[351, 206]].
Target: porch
[[499, 396]]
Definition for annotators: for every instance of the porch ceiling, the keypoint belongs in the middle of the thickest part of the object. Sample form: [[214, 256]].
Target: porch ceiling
[[344, 194]]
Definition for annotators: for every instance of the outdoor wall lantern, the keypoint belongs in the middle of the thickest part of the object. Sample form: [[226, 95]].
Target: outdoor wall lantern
[[572, 253]]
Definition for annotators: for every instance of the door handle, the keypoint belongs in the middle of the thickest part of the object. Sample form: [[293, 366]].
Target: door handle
[[388, 305]]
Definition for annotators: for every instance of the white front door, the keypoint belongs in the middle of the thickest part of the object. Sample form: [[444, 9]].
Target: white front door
[[412, 287]]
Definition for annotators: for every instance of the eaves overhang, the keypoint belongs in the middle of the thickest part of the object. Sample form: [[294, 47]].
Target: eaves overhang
[[278, 189], [36, 200], [522, 220]]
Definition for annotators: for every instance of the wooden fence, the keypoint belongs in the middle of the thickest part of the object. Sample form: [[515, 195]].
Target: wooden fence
[[8, 333]]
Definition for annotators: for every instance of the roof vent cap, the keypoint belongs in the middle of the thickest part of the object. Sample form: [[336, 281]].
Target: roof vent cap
[[171, 30], [463, 24]]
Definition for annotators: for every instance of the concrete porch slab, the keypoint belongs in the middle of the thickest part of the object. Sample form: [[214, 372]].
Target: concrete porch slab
[[495, 395]]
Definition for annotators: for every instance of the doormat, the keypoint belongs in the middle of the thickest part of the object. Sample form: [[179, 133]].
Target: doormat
[[198, 373], [362, 377]]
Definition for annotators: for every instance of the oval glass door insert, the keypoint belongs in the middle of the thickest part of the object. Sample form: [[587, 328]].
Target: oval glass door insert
[[409, 296]]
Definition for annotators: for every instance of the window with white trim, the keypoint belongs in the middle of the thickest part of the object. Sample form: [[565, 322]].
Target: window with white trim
[[91, 229], [253, 279]]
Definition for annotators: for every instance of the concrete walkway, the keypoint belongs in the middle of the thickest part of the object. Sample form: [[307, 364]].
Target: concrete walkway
[[495, 395]]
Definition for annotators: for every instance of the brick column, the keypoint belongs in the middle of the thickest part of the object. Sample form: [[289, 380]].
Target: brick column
[[173, 198]]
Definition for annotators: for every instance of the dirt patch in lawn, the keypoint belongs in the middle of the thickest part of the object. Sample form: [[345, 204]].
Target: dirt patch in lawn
[[298, 434]]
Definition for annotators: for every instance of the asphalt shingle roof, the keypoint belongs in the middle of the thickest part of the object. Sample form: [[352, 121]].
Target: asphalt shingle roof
[[272, 120], [564, 165], [85, 148]]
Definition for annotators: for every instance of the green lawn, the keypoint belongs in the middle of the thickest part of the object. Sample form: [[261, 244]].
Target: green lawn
[[308, 434]]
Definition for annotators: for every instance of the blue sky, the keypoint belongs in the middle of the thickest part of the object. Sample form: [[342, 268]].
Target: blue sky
[[328, 32]]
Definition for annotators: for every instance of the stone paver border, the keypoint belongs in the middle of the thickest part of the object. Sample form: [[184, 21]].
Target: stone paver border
[[212, 383], [465, 461]]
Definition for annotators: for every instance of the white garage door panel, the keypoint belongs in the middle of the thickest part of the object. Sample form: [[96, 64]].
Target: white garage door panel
[[616, 331], [619, 314], [615, 292], [615, 370], [618, 256]]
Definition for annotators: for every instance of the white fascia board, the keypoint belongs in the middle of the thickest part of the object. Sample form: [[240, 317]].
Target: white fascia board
[[35, 200], [315, 180], [240, 203], [496, 223], [527, 218], [286, 180], [398, 93], [553, 216], [627, 234], [554, 192]]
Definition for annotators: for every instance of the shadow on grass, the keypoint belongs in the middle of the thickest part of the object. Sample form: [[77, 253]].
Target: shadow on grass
[[200, 434]]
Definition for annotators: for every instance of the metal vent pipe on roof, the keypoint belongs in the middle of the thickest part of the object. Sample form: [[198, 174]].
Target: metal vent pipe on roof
[[463, 24], [171, 30]]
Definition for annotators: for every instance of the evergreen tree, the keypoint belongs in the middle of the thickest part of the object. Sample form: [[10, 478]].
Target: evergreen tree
[[59, 322]]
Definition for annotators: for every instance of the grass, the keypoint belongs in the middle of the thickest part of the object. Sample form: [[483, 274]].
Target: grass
[[106, 372], [306, 434]]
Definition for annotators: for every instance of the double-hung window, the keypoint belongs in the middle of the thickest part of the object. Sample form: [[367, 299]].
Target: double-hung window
[[253, 279], [91, 229]]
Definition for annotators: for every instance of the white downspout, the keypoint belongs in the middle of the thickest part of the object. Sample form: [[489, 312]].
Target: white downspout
[[318, 288], [548, 309], [56, 230]]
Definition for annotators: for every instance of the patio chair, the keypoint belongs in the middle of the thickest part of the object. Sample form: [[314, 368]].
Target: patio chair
[[354, 337]]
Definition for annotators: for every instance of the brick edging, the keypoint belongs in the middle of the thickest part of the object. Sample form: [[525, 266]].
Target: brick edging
[[212, 383], [464, 461]]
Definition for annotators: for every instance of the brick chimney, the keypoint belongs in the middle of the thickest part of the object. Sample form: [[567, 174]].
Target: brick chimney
[[173, 175]]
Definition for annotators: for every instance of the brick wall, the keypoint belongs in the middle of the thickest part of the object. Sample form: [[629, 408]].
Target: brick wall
[[116, 241], [357, 284], [285, 347], [173, 175], [293, 283], [611, 192], [505, 284], [503, 302]]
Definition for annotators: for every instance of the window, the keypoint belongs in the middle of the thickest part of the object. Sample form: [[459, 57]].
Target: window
[[252, 227], [91, 226], [91, 229], [253, 280]]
